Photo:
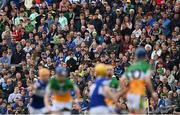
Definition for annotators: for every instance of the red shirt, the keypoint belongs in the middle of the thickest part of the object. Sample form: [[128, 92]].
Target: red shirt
[[38, 1], [158, 2], [17, 35]]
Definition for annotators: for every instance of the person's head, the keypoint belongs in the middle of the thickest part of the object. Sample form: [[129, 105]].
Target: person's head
[[19, 84], [20, 103], [140, 53], [152, 102], [18, 48], [4, 53], [44, 74], [16, 90], [18, 76], [110, 71], [108, 8], [61, 73], [9, 108], [118, 11], [95, 16], [165, 89], [48, 60], [113, 40], [175, 95], [27, 74], [174, 50], [165, 80], [148, 47], [126, 19], [170, 94], [168, 72], [61, 14], [127, 38], [101, 70], [9, 81]]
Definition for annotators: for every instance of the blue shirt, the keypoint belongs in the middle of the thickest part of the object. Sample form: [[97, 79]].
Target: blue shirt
[[71, 45], [38, 95], [151, 22], [100, 39], [166, 27], [5, 60], [119, 70], [49, 2], [97, 97]]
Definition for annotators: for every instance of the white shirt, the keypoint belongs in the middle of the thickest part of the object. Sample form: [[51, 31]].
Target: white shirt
[[1, 80], [158, 52], [63, 22], [13, 96], [68, 57], [27, 49], [28, 3], [171, 79], [137, 33]]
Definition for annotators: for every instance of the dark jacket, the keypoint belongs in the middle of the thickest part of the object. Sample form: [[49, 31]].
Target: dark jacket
[[17, 57]]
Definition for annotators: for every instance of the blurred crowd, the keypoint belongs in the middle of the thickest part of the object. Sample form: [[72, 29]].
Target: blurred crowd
[[79, 33]]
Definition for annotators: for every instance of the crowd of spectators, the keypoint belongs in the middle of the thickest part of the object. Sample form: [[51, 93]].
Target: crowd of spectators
[[79, 33]]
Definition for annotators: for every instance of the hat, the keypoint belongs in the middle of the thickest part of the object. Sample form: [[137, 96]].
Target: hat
[[140, 52], [61, 71], [148, 45]]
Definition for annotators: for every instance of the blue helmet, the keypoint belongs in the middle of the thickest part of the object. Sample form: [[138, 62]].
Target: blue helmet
[[61, 71], [140, 52]]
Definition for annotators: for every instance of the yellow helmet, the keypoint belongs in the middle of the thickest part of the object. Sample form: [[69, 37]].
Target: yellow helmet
[[43, 72], [101, 69]]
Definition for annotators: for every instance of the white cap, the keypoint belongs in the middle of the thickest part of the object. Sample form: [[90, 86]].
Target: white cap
[[148, 45]]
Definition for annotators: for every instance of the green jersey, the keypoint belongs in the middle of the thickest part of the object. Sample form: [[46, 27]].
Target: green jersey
[[61, 91], [136, 74], [138, 70], [114, 83], [65, 86]]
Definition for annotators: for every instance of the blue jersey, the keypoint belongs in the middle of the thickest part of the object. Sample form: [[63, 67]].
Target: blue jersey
[[38, 95], [96, 94]]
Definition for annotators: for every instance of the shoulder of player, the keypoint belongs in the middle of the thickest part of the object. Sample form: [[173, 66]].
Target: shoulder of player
[[142, 65], [53, 81], [68, 82]]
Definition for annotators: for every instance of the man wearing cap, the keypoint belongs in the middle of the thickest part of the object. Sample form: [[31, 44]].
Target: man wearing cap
[[59, 90], [135, 79]]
